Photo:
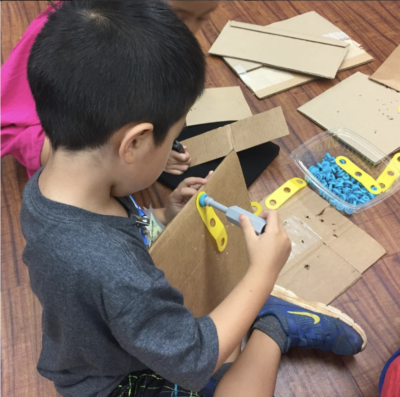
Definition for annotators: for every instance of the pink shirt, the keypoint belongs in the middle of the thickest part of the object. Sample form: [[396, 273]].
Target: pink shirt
[[22, 135]]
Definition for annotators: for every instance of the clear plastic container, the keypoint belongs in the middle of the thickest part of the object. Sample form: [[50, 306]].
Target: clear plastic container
[[343, 142]]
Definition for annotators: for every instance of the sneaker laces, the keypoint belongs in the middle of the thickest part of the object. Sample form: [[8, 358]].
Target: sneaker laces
[[316, 341]]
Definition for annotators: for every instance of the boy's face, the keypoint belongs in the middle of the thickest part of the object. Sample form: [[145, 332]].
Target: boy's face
[[193, 13], [141, 162]]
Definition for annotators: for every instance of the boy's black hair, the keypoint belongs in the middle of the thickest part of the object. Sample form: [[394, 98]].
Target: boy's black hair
[[99, 65]]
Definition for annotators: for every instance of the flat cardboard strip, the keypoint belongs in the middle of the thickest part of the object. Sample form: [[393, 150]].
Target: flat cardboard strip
[[243, 134], [295, 80], [282, 52], [287, 33]]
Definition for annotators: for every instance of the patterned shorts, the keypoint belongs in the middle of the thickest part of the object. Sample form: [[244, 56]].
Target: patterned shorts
[[147, 384]]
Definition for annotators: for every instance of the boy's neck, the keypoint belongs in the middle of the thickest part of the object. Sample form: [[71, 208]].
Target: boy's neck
[[80, 180]]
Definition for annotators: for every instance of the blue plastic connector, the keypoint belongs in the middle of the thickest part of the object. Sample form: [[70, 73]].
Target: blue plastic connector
[[339, 182], [201, 201]]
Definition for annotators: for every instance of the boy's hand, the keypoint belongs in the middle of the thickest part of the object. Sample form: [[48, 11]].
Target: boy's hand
[[182, 194], [178, 163], [269, 251]]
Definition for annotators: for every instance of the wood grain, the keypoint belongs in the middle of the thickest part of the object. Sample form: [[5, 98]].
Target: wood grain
[[373, 301]]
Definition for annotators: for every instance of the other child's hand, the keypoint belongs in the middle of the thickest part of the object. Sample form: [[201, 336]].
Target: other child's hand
[[178, 163], [182, 194]]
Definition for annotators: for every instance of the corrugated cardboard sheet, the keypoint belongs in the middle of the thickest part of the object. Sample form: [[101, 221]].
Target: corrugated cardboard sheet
[[243, 134], [219, 104], [332, 262], [267, 81], [283, 49], [389, 72], [337, 252], [363, 106], [187, 253]]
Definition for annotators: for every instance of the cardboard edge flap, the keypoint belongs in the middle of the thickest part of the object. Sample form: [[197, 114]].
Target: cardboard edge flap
[[241, 135], [288, 34], [218, 104]]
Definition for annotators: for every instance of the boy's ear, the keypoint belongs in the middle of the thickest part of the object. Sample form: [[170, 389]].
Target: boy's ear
[[134, 138]]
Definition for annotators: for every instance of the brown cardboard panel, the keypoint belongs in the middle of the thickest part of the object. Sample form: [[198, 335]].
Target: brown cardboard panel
[[300, 258], [264, 83], [210, 145], [358, 248], [243, 134], [308, 23], [281, 49], [320, 277], [357, 60], [363, 106], [389, 72], [295, 81], [329, 266], [219, 104], [187, 254]]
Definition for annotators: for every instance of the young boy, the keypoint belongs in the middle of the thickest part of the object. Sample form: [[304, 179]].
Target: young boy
[[112, 82], [22, 134]]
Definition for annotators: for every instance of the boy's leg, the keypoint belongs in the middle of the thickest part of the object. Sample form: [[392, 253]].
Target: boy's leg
[[254, 372], [310, 325], [287, 321]]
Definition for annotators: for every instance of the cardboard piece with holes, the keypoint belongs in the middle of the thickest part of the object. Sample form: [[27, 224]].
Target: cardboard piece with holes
[[369, 109], [188, 254], [336, 251]]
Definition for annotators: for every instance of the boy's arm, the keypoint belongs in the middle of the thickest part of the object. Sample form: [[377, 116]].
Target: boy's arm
[[268, 254], [149, 320]]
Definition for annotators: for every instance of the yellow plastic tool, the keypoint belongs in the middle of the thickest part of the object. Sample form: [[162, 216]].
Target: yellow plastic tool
[[213, 224], [257, 206], [283, 193], [390, 174], [360, 175]]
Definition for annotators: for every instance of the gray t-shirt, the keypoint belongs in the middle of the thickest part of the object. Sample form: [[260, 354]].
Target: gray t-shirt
[[107, 310]]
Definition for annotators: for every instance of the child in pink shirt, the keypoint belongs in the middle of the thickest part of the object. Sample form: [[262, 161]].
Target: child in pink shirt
[[22, 135]]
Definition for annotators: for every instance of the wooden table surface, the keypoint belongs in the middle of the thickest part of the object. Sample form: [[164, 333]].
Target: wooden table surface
[[374, 301]]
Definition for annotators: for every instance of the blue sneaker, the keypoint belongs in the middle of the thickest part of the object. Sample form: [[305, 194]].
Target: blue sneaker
[[313, 325]]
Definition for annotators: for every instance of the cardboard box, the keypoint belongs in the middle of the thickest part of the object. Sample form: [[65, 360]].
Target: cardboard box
[[335, 254], [243, 134], [282, 49], [219, 104], [388, 73], [265, 81], [363, 106]]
